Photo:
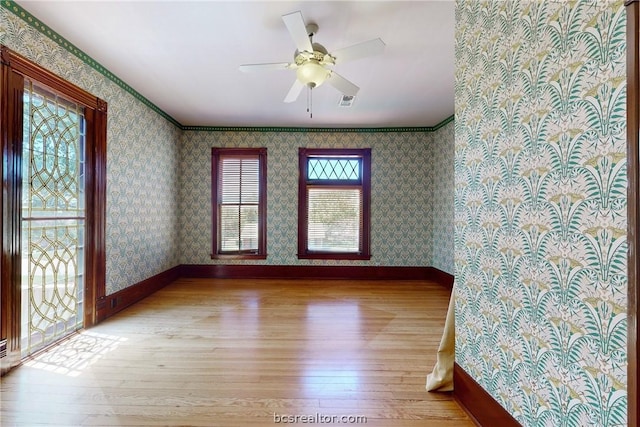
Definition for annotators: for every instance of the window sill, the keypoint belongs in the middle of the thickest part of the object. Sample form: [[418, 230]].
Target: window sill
[[238, 256], [335, 256]]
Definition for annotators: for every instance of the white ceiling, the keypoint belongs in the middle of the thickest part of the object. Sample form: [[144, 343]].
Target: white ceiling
[[184, 55]]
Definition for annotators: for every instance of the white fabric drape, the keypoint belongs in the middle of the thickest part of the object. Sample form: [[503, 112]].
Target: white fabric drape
[[441, 378]]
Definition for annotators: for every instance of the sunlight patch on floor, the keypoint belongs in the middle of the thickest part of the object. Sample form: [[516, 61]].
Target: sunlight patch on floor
[[74, 355]]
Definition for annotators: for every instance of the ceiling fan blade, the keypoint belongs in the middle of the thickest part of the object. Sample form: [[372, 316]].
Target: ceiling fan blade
[[294, 92], [247, 68], [298, 30], [342, 84], [360, 50]]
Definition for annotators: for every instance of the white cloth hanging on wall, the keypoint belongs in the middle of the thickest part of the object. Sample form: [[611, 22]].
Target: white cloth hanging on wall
[[441, 378]]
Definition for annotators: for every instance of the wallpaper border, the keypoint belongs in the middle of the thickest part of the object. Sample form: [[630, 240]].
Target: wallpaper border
[[20, 12], [318, 129]]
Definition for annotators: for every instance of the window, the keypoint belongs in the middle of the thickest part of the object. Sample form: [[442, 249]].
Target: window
[[239, 199], [333, 203]]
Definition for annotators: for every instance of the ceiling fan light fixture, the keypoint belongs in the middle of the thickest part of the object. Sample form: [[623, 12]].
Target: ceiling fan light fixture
[[313, 63], [312, 73]]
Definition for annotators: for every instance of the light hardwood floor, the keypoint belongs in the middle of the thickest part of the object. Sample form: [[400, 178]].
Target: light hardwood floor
[[226, 352]]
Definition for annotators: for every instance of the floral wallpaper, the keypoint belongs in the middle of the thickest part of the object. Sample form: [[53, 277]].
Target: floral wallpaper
[[540, 207], [441, 157], [142, 153], [401, 188]]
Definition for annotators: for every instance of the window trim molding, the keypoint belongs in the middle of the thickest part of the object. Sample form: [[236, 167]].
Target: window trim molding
[[216, 153], [365, 155]]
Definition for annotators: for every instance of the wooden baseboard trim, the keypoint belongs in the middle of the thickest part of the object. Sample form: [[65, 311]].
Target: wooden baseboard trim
[[483, 409], [111, 304], [315, 272], [442, 277]]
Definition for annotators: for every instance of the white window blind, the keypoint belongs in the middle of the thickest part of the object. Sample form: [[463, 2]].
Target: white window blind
[[334, 217], [239, 196]]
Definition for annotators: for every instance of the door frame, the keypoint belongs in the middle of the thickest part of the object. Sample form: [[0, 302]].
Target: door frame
[[14, 68]]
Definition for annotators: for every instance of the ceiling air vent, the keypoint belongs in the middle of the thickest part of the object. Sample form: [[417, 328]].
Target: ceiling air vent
[[346, 100]]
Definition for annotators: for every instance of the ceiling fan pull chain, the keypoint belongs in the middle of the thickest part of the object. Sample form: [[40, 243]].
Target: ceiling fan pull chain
[[310, 101]]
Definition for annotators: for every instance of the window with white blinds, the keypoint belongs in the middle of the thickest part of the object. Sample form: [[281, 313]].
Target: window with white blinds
[[239, 196], [334, 194]]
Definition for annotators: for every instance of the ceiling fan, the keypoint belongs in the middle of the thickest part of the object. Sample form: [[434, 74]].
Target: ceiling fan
[[313, 62]]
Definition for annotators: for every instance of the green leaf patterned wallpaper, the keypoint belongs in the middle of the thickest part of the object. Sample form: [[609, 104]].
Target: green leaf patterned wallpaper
[[402, 184], [540, 207], [142, 158], [441, 155]]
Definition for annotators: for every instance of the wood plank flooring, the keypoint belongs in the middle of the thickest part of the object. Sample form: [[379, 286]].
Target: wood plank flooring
[[226, 352]]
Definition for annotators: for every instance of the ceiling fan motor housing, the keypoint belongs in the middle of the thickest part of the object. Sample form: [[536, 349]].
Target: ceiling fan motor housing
[[319, 53]]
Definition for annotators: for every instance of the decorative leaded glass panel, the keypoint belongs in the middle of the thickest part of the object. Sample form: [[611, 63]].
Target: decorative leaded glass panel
[[53, 218], [333, 169]]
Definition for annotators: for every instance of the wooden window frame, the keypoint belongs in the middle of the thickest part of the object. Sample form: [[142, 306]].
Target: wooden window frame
[[303, 184], [14, 69], [216, 154]]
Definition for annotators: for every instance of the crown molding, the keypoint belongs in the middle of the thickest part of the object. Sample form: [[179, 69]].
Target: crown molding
[[443, 123], [319, 129], [302, 129]]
